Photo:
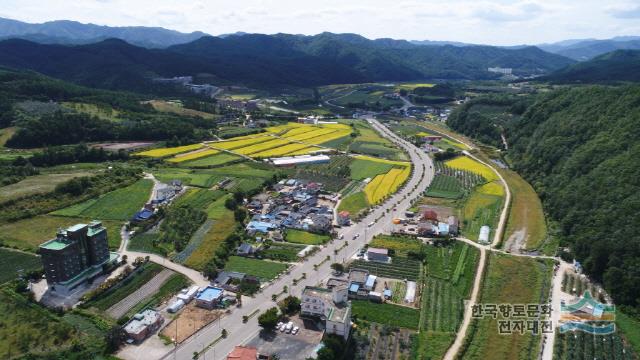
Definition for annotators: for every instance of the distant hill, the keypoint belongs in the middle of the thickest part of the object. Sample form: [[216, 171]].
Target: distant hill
[[272, 60], [616, 66], [72, 32], [587, 49]]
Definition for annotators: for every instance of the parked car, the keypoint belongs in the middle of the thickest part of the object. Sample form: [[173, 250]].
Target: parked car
[[341, 236], [295, 330], [289, 327], [283, 327]]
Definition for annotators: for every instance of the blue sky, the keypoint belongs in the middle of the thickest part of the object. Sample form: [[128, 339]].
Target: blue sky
[[498, 22]]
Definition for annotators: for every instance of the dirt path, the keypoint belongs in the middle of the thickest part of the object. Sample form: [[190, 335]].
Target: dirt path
[[151, 287]]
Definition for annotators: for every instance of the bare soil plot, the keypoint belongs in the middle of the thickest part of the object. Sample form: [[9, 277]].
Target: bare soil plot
[[120, 309], [189, 321]]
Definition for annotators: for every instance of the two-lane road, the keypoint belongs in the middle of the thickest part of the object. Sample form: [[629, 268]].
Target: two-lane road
[[239, 332]]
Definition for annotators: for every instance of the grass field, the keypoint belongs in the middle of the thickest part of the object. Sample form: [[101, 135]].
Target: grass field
[[306, 238], [468, 164], [15, 263], [199, 198], [119, 204], [630, 328], [400, 245], [283, 252], [38, 184], [400, 268], [265, 270], [387, 314], [445, 186], [223, 226], [526, 211], [354, 203], [28, 234], [164, 152], [362, 168], [513, 280]]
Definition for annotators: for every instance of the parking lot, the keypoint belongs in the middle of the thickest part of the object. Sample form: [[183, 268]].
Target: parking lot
[[302, 345]]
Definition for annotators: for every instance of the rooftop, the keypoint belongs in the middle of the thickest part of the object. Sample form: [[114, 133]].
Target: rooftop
[[54, 244], [338, 313], [210, 293], [357, 275], [243, 353], [141, 320], [378, 251], [316, 291]]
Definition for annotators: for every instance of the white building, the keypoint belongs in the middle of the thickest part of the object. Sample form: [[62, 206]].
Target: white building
[[483, 238], [330, 305]]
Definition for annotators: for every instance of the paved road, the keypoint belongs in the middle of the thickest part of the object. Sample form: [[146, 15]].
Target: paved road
[[240, 332], [133, 299]]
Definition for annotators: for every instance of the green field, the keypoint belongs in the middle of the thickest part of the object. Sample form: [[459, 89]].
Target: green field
[[222, 227], [579, 345], [265, 270], [37, 184], [445, 186], [216, 209], [174, 283], [29, 233], [198, 198], [630, 329], [145, 243], [362, 169], [211, 161], [399, 268], [387, 314], [120, 204], [126, 287], [304, 237], [400, 245], [282, 252], [480, 209], [354, 203], [15, 263]]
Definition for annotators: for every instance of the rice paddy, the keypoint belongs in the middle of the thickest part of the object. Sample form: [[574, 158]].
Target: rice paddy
[[164, 152]]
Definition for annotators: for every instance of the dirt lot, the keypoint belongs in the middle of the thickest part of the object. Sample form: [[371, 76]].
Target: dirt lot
[[190, 320], [387, 343], [443, 211], [124, 146]]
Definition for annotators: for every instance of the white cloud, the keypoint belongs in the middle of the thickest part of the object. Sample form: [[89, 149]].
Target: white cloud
[[500, 22]]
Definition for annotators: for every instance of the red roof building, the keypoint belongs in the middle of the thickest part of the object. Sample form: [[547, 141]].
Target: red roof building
[[243, 353], [430, 215]]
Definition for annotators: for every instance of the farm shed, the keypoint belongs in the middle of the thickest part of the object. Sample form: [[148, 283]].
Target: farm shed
[[410, 295], [484, 234]]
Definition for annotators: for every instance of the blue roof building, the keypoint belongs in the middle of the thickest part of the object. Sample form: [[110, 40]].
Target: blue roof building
[[209, 297]]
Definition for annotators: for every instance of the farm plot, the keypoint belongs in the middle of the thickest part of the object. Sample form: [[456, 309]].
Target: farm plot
[[240, 142], [444, 186], [399, 268], [468, 164], [513, 280], [284, 150], [480, 209], [400, 245], [222, 228], [283, 252], [582, 346], [386, 314], [15, 263], [384, 185], [119, 204], [164, 152], [304, 237], [211, 160], [468, 180], [37, 184], [387, 343], [265, 270], [200, 153], [362, 169], [199, 198], [443, 306], [354, 203], [256, 148]]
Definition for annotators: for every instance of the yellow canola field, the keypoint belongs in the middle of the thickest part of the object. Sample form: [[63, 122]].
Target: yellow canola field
[[311, 134], [392, 162], [385, 184], [280, 151], [492, 188], [468, 164], [193, 155], [256, 148], [304, 151], [169, 151], [285, 127], [240, 142], [327, 137]]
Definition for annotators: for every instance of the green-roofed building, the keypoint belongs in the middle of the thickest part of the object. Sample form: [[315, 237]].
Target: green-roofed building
[[76, 254]]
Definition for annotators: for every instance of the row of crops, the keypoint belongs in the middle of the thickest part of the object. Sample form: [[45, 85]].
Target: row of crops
[[582, 346], [442, 304], [399, 268]]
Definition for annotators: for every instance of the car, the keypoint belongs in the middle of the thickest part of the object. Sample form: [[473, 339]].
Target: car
[[295, 330], [289, 327], [341, 236], [371, 224], [283, 327], [279, 324]]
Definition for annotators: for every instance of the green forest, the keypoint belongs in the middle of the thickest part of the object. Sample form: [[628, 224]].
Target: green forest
[[579, 147]]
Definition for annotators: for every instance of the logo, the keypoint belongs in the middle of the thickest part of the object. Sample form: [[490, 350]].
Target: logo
[[588, 315]]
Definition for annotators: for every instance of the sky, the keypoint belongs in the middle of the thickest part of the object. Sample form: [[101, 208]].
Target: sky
[[495, 22]]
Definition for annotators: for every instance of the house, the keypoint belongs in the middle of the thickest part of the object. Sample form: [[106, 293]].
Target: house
[[426, 228], [142, 215], [343, 218], [330, 305], [143, 324], [245, 249], [483, 238], [243, 353], [320, 223], [453, 225], [209, 298], [378, 254], [375, 296], [443, 229], [187, 295], [260, 226]]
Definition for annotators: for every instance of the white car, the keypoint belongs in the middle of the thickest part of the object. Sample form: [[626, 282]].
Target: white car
[[289, 327], [283, 327], [279, 324], [341, 236], [295, 330]]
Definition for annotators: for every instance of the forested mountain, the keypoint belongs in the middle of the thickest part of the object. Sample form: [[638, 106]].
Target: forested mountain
[[580, 149], [273, 60], [616, 66], [34, 104], [73, 32], [586, 49]]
